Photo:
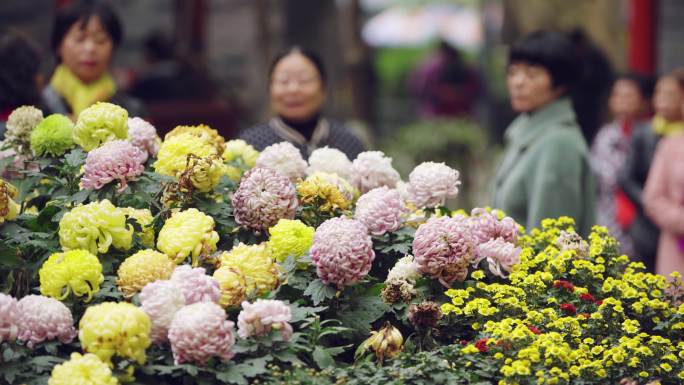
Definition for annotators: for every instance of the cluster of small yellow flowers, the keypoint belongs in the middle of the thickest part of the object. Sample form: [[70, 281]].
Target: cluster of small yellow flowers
[[573, 310]]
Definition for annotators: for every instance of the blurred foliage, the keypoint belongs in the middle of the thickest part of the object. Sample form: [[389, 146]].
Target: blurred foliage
[[460, 143]]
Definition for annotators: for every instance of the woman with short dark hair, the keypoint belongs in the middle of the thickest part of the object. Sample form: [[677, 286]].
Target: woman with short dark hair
[[545, 172], [84, 37], [297, 91]]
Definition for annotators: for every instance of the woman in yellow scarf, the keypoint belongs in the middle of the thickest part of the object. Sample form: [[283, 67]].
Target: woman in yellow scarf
[[84, 37]]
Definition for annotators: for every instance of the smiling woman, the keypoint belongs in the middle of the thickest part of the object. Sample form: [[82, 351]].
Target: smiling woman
[[297, 91], [84, 37]]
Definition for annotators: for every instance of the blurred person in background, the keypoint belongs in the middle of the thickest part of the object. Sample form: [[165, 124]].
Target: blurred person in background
[[84, 37], [445, 85], [545, 172], [167, 76], [297, 95], [630, 106], [664, 195], [667, 100], [20, 79]]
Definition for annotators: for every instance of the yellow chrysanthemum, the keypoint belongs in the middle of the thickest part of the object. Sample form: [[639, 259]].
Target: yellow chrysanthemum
[[174, 151], [188, 232], [238, 148], [205, 173], [327, 191], [233, 285], [76, 271], [144, 219], [85, 369], [8, 207], [141, 268], [201, 132], [256, 263], [95, 227], [112, 328], [290, 238]]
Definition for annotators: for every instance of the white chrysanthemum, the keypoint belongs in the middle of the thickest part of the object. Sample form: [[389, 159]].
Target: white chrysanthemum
[[331, 161], [284, 158], [404, 270]]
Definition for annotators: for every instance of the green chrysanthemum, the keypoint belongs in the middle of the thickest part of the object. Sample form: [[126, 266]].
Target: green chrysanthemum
[[100, 123], [52, 136]]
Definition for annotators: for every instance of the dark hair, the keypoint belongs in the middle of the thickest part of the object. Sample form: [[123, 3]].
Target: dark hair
[[19, 65], [80, 11], [311, 55], [551, 50], [645, 83]]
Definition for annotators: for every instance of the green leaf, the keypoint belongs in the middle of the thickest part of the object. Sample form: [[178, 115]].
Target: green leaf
[[323, 358], [319, 292], [300, 313], [232, 376], [361, 311], [9, 258], [75, 158], [80, 196], [286, 356]]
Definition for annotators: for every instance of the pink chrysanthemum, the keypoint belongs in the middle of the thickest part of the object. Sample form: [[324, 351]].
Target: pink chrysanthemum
[[431, 184], [373, 169], [143, 135], [263, 198], [201, 331], [500, 254], [380, 210], [196, 285], [443, 248], [115, 160], [487, 226], [284, 158], [9, 318], [260, 317], [161, 300], [43, 319], [342, 251]]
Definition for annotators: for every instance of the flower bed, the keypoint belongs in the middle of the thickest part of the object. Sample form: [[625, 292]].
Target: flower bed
[[196, 260]]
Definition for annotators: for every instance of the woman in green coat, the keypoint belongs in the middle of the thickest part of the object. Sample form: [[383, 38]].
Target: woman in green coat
[[545, 172]]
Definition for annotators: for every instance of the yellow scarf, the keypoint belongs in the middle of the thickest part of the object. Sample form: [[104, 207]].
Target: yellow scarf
[[665, 128], [79, 95]]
